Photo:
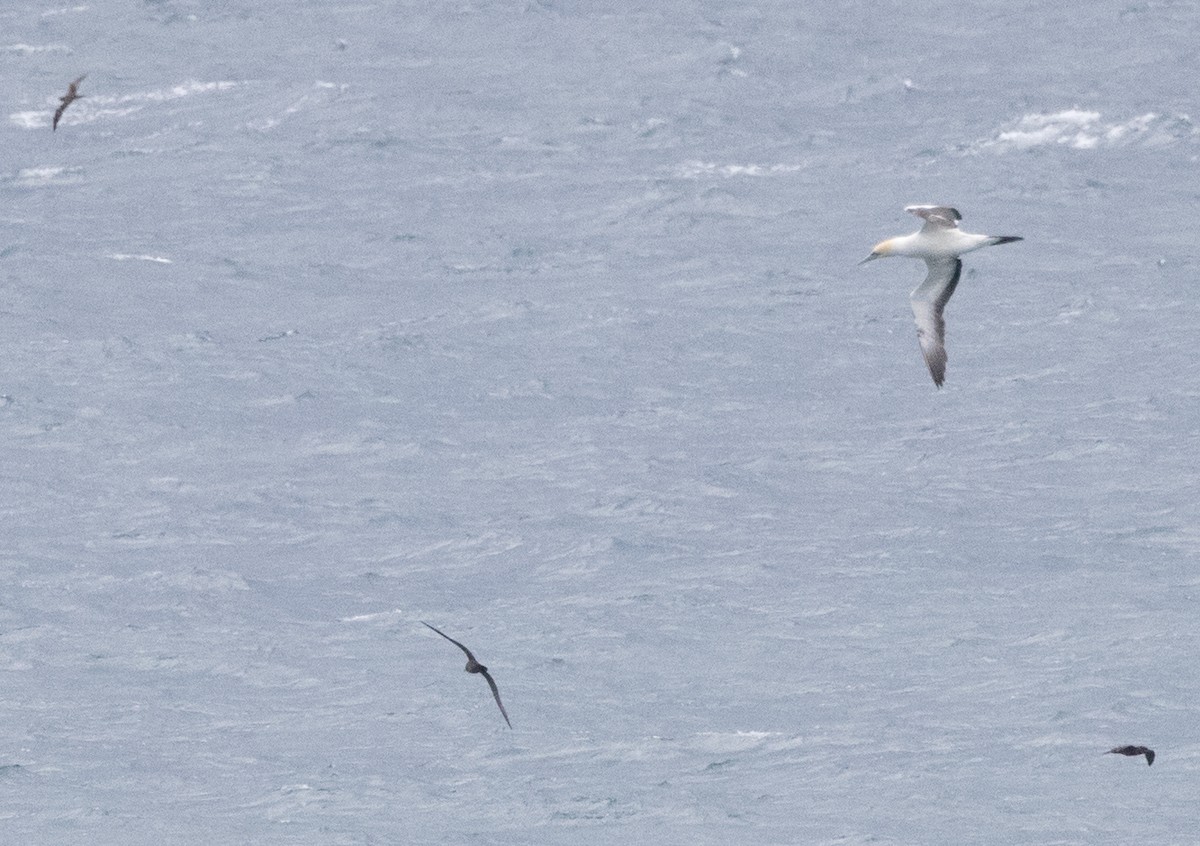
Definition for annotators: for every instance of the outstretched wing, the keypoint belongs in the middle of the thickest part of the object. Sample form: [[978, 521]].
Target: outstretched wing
[[67, 99], [928, 301], [936, 217], [452, 640], [496, 695]]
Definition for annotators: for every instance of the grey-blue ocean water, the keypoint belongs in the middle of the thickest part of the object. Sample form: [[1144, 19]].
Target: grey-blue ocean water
[[540, 321]]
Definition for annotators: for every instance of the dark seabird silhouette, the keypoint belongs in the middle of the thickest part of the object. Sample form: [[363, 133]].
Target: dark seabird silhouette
[[1133, 750], [474, 666], [67, 99]]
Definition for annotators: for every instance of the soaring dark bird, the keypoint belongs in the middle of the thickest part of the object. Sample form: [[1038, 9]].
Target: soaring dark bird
[[67, 99], [1133, 750], [474, 666], [940, 243]]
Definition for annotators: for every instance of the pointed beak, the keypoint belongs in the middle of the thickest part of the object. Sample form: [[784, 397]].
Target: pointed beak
[[871, 257]]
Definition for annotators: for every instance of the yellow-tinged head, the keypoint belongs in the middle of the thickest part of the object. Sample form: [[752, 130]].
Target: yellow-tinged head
[[881, 250]]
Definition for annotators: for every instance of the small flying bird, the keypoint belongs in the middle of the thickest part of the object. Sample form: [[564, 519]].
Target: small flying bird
[[1133, 750], [940, 243], [474, 666], [67, 99]]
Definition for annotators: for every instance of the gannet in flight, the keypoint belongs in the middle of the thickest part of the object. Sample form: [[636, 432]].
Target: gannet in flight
[[940, 243], [67, 99], [474, 666], [1133, 750]]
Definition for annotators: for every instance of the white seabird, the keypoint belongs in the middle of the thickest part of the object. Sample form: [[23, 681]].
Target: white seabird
[[940, 243]]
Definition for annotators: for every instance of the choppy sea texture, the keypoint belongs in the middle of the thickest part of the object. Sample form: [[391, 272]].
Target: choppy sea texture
[[541, 322], [1085, 130]]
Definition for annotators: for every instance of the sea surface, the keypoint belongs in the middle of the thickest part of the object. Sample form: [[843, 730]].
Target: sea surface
[[540, 321]]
